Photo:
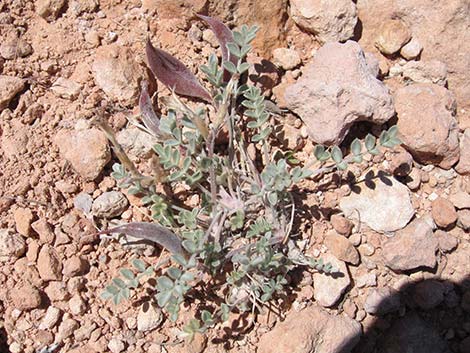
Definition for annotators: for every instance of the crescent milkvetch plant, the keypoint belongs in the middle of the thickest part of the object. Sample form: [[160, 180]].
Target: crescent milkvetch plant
[[236, 245]]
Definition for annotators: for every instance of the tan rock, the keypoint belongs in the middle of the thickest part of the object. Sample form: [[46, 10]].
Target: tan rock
[[328, 21], [44, 229], [26, 297], [443, 212], [412, 247], [433, 71], [86, 150], [311, 330], [412, 49], [23, 219], [49, 9], [463, 167], [342, 225], [286, 58], [427, 125], [9, 88], [65, 88], [337, 89], [328, 288], [342, 248], [117, 73], [392, 35], [49, 264]]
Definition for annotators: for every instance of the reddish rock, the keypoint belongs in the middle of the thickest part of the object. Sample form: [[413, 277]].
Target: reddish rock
[[26, 297], [49, 9], [412, 247], [427, 125], [86, 150], [44, 229], [446, 241], [23, 218], [9, 88], [463, 167], [75, 266], [443, 212], [311, 330], [463, 220], [342, 225], [49, 264], [442, 30], [342, 248]]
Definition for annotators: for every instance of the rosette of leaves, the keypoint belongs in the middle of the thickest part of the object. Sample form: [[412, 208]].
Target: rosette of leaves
[[239, 235]]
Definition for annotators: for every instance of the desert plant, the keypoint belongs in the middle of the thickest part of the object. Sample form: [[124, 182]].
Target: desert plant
[[239, 236]]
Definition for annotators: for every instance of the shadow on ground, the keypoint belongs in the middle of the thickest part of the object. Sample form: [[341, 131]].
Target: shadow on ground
[[430, 318]]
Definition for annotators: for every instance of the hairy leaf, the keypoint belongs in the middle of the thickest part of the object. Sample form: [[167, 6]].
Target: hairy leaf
[[152, 232], [149, 117], [174, 74]]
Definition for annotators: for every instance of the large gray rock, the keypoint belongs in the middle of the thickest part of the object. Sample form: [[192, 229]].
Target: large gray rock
[[338, 88], [412, 247], [384, 205], [427, 124], [312, 330], [329, 21]]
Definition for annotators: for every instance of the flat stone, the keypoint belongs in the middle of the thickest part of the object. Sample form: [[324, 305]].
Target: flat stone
[[328, 288], [433, 71], [136, 143], [384, 204], [149, 317], [23, 219], [412, 247], [65, 88], [312, 330], [110, 204], [443, 212], [286, 59]]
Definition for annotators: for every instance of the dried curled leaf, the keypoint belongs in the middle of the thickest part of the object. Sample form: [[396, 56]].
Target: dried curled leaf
[[152, 232], [174, 74], [149, 117]]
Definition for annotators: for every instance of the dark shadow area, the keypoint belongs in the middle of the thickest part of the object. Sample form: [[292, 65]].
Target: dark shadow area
[[3, 341], [430, 316]]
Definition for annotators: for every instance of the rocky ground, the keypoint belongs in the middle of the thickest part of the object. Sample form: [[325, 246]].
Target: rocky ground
[[397, 226]]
